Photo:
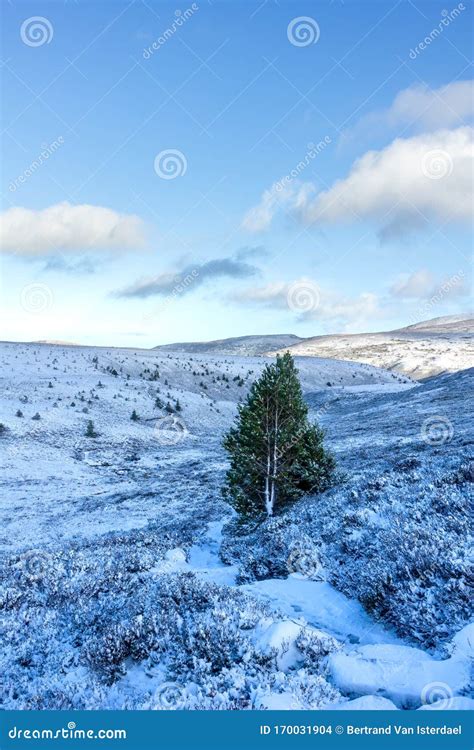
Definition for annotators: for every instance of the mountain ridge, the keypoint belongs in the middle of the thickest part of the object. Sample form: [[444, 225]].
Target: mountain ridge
[[420, 350]]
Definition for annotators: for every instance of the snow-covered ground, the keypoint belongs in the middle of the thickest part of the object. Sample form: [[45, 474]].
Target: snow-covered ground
[[420, 351], [114, 592]]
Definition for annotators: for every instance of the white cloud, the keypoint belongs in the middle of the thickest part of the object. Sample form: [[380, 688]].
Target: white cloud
[[259, 218], [434, 108], [421, 108], [273, 294], [289, 196], [418, 284], [423, 285], [414, 180], [310, 302], [64, 227]]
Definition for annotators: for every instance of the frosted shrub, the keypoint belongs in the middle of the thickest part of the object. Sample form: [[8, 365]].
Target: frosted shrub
[[397, 541]]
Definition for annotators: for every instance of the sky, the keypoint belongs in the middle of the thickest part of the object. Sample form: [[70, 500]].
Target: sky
[[216, 169]]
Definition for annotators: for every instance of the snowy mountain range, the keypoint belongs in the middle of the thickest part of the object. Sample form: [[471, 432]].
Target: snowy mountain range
[[240, 346], [421, 350]]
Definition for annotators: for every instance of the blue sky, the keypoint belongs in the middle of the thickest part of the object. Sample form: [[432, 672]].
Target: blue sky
[[319, 157]]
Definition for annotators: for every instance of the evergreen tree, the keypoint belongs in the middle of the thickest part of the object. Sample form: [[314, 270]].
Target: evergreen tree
[[276, 454], [134, 417], [90, 431]]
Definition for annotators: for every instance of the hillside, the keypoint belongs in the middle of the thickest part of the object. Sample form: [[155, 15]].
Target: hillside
[[240, 346], [420, 351], [118, 549], [105, 385], [446, 324]]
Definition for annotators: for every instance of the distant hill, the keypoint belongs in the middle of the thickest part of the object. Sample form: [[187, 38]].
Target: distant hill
[[243, 346], [448, 324], [428, 348]]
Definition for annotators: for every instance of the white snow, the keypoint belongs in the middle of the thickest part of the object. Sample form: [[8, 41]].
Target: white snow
[[422, 350], [58, 485], [323, 607], [280, 637], [364, 703], [63, 485], [457, 703], [463, 641], [401, 673], [284, 701]]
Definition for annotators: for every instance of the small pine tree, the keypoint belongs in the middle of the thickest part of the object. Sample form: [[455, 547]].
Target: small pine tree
[[134, 417], [177, 405], [90, 431], [276, 454], [159, 403], [19, 413], [37, 416], [169, 408]]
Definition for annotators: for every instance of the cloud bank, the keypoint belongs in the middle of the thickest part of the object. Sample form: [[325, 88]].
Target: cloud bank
[[310, 302], [423, 285], [68, 228], [406, 185], [421, 108], [188, 278]]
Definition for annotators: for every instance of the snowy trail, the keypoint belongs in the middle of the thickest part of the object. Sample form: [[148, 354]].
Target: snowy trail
[[204, 557], [319, 603], [373, 664], [323, 607]]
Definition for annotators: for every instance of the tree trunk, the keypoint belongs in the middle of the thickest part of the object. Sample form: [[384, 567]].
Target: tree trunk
[[268, 493]]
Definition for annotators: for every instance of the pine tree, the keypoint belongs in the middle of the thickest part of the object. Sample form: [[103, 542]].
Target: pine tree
[[134, 417], [90, 431], [276, 454]]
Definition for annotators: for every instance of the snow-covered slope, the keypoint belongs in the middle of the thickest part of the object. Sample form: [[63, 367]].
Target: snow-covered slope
[[105, 476], [243, 346], [446, 324], [422, 350], [111, 546]]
